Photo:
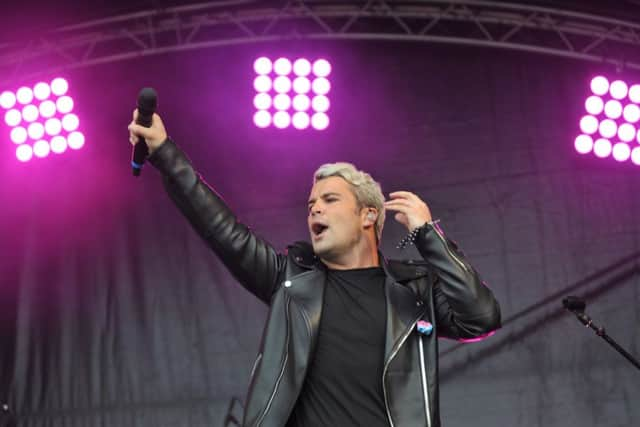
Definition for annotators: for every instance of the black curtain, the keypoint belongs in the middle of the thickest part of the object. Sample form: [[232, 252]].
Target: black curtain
[[114, 313]]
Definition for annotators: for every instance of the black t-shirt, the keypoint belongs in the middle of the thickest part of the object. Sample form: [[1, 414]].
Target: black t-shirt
[[343, 386]]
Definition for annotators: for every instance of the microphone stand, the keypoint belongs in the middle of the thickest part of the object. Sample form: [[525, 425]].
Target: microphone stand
[[577, 306]]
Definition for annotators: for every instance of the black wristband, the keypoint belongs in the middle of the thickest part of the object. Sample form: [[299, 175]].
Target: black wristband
[[410, 238]]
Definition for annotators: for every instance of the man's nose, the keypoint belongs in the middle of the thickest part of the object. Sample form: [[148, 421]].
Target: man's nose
[[316, 209]]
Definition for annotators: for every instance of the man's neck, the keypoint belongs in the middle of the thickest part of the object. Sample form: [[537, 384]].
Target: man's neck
[[368, 257]]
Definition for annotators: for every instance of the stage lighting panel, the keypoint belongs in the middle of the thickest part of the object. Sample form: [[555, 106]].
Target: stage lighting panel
[[292, 92], [608, 127], [41, 120]]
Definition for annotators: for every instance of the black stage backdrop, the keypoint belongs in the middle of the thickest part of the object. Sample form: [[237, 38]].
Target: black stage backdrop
[[114, 313]]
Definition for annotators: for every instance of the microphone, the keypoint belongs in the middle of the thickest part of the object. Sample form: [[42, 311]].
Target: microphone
[[577, 306], [147, 104], [573, 304]]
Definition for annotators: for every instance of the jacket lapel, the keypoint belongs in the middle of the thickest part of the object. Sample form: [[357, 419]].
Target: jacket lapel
[[307, 290], [403, 310]]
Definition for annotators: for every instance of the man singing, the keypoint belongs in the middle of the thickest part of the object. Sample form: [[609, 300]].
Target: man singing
[[351, 338]]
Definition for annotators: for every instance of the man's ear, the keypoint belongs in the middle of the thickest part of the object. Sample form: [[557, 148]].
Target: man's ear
[[371, 217]]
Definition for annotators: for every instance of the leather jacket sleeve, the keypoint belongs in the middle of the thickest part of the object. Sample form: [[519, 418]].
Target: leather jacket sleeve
[[253, 262], [465, 307]]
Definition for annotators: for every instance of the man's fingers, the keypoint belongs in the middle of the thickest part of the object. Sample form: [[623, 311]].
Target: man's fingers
[[398, 205], [403, 195], [140, 131]]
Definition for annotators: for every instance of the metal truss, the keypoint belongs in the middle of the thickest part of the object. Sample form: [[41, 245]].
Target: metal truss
[[541, 30]]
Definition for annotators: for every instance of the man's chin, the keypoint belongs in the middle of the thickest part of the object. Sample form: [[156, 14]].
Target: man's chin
[[321, 248]]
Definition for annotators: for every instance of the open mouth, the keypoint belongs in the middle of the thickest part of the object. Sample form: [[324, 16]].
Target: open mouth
[[318, 229]]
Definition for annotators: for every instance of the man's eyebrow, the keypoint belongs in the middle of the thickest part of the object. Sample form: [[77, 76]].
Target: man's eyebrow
[[331, 193]]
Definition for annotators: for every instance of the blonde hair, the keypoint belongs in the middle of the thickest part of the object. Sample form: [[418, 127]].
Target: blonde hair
[[367, 191]]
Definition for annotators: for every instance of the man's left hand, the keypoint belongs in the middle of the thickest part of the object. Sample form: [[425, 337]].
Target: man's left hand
[[412, 212]]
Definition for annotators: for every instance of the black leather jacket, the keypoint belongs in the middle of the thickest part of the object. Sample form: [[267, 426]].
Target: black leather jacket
[[442, 289]]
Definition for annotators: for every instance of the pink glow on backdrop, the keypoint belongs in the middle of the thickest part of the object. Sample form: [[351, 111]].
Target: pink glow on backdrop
[[293, 92], [609, 127], [41, 119]]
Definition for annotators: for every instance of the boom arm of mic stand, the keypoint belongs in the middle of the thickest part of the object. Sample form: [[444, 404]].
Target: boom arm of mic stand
[[586, 320]]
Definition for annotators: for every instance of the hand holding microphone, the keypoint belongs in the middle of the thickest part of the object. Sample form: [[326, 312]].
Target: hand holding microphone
[[146, 127]]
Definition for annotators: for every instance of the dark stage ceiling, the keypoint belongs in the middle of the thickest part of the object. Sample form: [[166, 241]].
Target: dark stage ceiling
[[25, 19]]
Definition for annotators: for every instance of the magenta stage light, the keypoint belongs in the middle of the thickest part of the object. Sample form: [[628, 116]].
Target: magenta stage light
[[282, 66], [35, 130], [631, 113], [635, 156], [600, 85], [288, 84], [30, 113], [24, 153], [602, 148], [320, 121], [589, 124], [282, 102], [262, 118], [300, 120], [320, 103], [41, 148], [301, 102], [321, 68], [70, 122], [75, 140], [301, 85], [42, 91], [583, 144], [59, 86], [262, 84], [608, 128], [7, 100], [302, 67], [12, 117], [281, 119], [18, 135], [613, 109], [47, 109], [621, 152], [634, 94], [262, 101], [321, 86], [24, 95], [618, 89], [64, 104], [626, 132], [58, 144], [262, 65], [282, 84], [53, 127], [594, 105]]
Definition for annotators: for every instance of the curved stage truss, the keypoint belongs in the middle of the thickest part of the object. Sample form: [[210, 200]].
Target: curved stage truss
[[534, 29]]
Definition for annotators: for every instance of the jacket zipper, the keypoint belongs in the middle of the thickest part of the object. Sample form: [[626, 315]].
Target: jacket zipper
[[423, 377], [386, 365], [255, 364], [284, 364], [449, 251]]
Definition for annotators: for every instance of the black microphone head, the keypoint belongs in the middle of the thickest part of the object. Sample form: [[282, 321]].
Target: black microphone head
[[147, 101], [574, 304]]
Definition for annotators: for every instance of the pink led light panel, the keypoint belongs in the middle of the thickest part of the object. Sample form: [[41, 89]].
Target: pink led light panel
[[41, 120], [610, 125], [292, 93]]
